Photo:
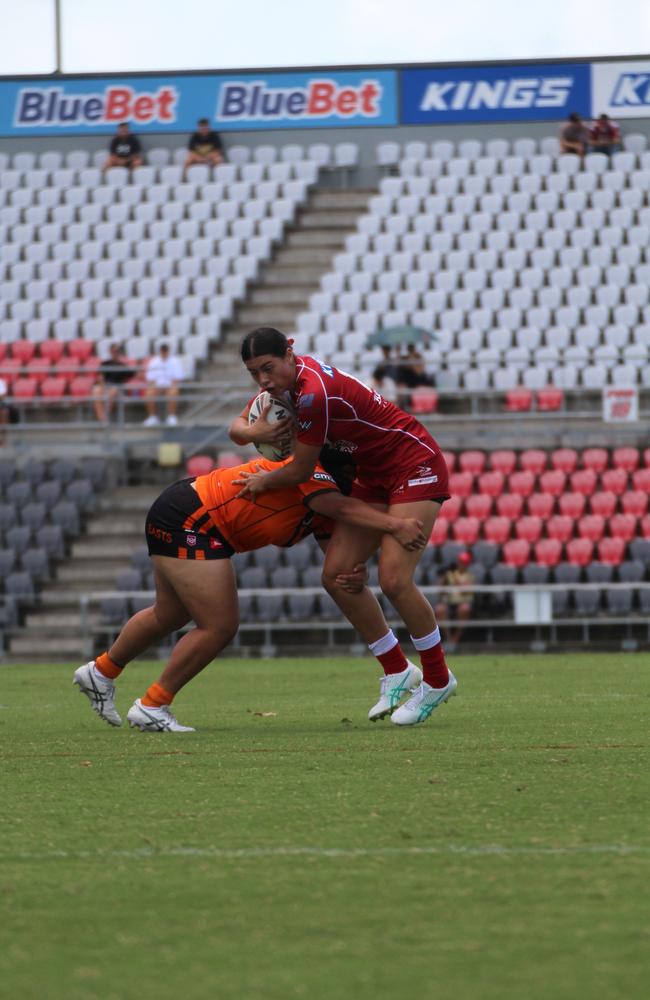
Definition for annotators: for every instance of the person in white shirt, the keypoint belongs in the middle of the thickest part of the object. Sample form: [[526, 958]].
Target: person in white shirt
[[164, 372]]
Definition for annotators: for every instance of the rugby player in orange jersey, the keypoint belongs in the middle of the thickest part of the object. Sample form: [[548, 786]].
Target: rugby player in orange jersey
[[192, 530]]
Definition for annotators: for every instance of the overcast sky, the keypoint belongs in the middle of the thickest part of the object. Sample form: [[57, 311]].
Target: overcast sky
[[105, 35]]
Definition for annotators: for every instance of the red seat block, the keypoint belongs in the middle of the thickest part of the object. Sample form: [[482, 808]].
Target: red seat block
[[635, 502], [67, 366], [3, 351], [12, 368], [452, 507], [440, 531], [81, 386], [591, 526], [522, 483], [23, 350], [548, 551], [491, 483], [472, 461], [510, 505], [466, 530], [641, 480], [646, 457], [603, 503], [595, 458], [533, 460], [24, 387], [572, 504], [550, 398], [497, 529], [516, 552], [228, 460], [460, 483], [529, 528], [540, 505], [450, 459], [51, 349], [623, 526], [611, 551], [553, 481], [519, 400], [626, 458], [583, 481], [503, 461], [565, 459], [53, 387], [80, 348], [614, 480], [560, 526], [199, 465], [579, 551], [478, 505], [424, 400], [644, 526], [38, 368]]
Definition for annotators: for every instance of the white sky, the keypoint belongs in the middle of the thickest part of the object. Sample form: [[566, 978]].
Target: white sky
[[127, 35]]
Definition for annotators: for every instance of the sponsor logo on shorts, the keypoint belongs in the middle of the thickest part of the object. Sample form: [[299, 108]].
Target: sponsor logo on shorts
[[190, 539], [423, 481], [162, 536], [323, 475], [215, 543]]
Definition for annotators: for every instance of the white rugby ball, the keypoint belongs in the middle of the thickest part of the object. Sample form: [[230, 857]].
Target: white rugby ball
[[279, 409]]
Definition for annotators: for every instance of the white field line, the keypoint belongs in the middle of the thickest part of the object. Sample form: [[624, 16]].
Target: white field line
[[243, 853]]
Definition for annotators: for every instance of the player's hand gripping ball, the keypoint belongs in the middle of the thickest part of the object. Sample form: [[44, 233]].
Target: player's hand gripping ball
[[275, 442]]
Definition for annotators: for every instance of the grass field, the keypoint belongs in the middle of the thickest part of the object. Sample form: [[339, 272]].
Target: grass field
[[502, 850]]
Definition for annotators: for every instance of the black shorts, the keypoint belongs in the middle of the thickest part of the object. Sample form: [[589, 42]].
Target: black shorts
[[171, 529]]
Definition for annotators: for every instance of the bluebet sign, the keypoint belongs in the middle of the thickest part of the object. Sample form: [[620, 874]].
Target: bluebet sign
[[173, 103], [539, 92]]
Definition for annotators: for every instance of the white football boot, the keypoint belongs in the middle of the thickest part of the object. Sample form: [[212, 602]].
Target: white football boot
[[99, 690], [392, 690], [155, 720], [420, 706]]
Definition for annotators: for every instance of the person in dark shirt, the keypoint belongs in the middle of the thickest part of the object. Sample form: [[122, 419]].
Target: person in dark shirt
[[605, 136], [112, 374], [574, 135], [124, 150], [204, 146]]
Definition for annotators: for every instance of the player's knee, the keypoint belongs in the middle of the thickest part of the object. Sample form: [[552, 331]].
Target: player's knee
[[393, 580]]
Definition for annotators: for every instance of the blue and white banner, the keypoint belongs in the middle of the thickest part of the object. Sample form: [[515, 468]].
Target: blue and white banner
[[621, 89], [534, 92], [232, 102]]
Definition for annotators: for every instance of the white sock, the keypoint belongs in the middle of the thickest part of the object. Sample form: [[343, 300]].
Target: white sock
[[427, 641], [383, 645]]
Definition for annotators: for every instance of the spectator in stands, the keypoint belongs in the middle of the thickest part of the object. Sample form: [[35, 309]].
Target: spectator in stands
[[163, 373], [386, 375], [112, 375], [574, 135], [456, 605], [412, 369], [204, 146], [605, 136], [124, 150]]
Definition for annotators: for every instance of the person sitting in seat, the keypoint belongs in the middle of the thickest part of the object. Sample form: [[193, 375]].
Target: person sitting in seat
[[458, 605], [124, 150]]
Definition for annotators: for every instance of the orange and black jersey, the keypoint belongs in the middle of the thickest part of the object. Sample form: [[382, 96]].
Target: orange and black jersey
[[277, 517]]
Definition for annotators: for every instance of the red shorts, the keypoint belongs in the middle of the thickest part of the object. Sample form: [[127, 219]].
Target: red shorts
[[422, 479]]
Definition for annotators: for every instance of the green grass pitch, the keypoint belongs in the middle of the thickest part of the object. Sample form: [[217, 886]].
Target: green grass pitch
[[501, 850]]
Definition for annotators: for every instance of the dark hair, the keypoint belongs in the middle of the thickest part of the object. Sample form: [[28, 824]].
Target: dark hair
[[203, 121], [574, 117], [264, 340]]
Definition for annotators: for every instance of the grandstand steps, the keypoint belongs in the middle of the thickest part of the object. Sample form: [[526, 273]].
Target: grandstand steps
[[288, 294]]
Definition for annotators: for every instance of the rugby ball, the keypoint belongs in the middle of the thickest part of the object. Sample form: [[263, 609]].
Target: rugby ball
[[279, 409]]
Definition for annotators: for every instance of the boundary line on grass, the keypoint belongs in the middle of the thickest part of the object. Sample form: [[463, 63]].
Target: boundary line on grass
[[243, 853]]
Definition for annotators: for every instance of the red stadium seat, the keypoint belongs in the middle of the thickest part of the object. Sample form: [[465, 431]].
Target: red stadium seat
[[519, 400], [38, 368], [644, 526], [550, 398], [3, 351], [466, 530], [11, 369], [614, 480], [67, 366], [472, 461], [522, 483], [635, 502], [91, 365], [199, 465], [424, 400], [479, 505], [583, 481], [460, 483], [623, 526], [533, 460], [24, 387], [503, 461], [591, 526], [640, 479], [510, 505], [440, 530], [451, 508], [595, 458], [516, 552], [611, 551], [529, 528], [646, 458], [228, 460], [572, 504], [553, 481], [560, 526], [51, 349], [548, 551], [626, 458], [579, 551], [540, 505], [497, 529], [565, 459], [603, 503], [450, 459], [53, 387], [22, 350], [491, 483], [81, 386], [80, 348]]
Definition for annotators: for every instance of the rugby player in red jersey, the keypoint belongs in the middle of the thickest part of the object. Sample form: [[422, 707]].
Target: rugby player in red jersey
[[399, 469]]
